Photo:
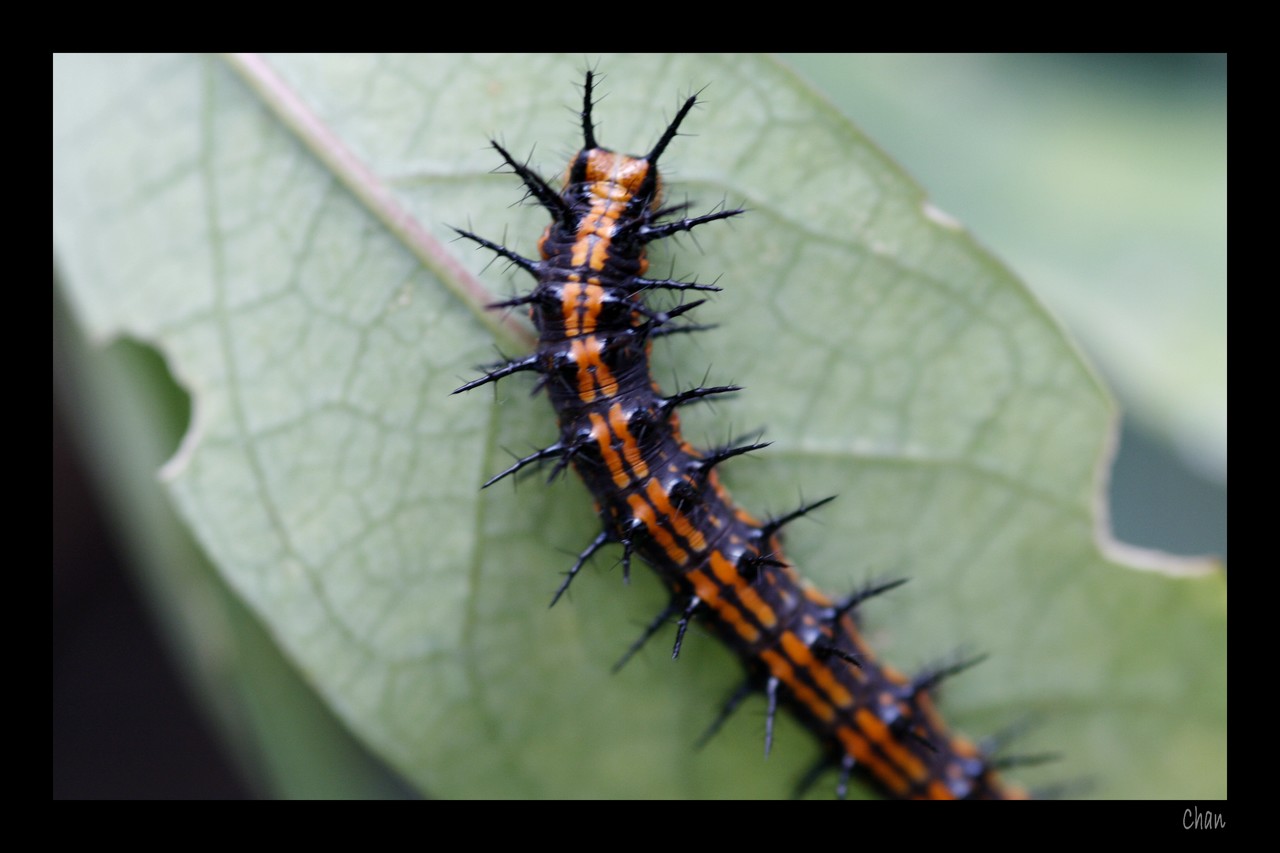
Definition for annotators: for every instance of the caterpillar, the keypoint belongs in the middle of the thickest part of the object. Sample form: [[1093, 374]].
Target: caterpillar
[[661, 499]]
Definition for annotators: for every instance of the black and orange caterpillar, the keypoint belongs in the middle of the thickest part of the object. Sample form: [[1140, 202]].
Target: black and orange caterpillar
[[661, 499]]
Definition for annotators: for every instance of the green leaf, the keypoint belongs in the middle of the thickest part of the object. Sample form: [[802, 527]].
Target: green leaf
[[1102, 180], [278, 228]]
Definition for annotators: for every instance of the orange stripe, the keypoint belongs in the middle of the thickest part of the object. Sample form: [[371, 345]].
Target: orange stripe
[[729, 575], [707, 590], [589, 310], [600, 432], [819, 671], [857, 746], [630, 448], [569, 310], [875, 729], [594, 378], [782, 669], [641, 510], [679, 521], [939, 791], [662, 502], [758, 606]]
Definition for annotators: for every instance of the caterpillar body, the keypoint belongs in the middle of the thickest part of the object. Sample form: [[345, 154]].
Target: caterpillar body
[[661, 499]]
